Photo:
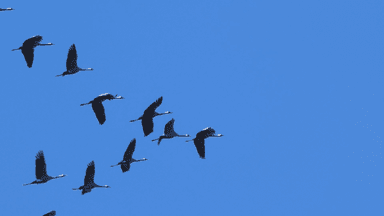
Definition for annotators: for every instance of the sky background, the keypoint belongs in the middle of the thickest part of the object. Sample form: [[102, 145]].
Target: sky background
[[294, 86]]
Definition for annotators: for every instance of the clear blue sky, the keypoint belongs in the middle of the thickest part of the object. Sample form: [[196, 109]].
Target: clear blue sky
[[294, 86]]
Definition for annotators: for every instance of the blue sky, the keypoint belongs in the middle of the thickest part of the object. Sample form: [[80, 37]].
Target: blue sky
[[295, 87]]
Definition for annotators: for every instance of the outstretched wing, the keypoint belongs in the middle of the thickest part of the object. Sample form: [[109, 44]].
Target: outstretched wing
[[147, 123], [90, 173], [151, 109], [32, 42], [125, 167], [98, 108], [28, 55], [41, 167], [72, 58], [168, 129], [51, 213], [200, 147], [131, 148]]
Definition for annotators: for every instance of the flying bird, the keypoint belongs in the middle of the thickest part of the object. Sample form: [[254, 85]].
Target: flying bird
[[149, 114], [6, 9], [72, 67], [98, 107], [51, 213], [199, 140], [29, 47], [169, 132], [41, 170], [125, 164], [89, 183]]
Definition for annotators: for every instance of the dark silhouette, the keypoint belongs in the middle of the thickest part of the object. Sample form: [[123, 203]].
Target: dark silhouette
[[199, 140], [72, 67], [41, 170], [51, 213], [149, 114], [98, 107], [89, 183], [6, 9], [29, 47], [169, 132], [125, 164]]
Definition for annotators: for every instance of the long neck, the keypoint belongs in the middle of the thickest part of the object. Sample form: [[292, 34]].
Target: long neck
[[159, 114], [16, 49], [183, 135], [137, 119], [86, 103], [85, 69], [103, 186], [48, 44], [60, 176], [143, 159]]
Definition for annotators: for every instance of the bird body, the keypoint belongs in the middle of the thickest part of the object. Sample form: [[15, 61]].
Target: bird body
[[28, 48], [125, 164], [149, 114], [51, 213], [169, 132], [41, 171], [98, 107], [71, 64], [6, 9], [89, 183], [199, 140]]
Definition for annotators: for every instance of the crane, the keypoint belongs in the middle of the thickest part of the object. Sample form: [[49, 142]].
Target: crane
[[149, 114], [6, 9], [199, 140], [125, 164], [28, 48], [169, 132], [89, 183], [72, 67], [98, 107], [41, 170]]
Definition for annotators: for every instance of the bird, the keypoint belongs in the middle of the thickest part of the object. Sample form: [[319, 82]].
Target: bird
[[125, 164], [98, 107], [6, 9], [89, 183], [51, 213], [149, 114], [169, 132], [199, 140], [29, 47], [41, 170], [72, 67]]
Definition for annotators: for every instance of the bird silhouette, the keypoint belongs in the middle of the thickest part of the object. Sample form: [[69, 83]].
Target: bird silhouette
[[199, 140], [149, 114], [41, 171], [125, 164], [51, 213], [28, 48], [72, 67], [89, 183], [6, 9], [169, 132], [98, 107]]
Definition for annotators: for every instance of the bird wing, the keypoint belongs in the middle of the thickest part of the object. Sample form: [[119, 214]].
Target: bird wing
[[28, 55], [98, 108], [32, 42], [125, 167], [130, 149], [168, 129], [205, 133], [151, 109], [200, 147], [72, 58], [147, 123], [51, 213], [90, 173], [41, 167]]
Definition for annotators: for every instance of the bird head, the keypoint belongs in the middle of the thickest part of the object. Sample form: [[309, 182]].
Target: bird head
[[62, 175], [10, 9], [219, 135], [118, 97], [107, 186], [187, 135], [167, 112], [145, 159]]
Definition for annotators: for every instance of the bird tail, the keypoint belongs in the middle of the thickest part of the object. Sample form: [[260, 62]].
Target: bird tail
[[84, 104]]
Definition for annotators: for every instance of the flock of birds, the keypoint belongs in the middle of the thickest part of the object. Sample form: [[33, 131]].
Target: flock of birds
[[27, 50]]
